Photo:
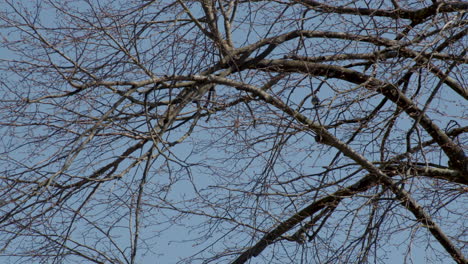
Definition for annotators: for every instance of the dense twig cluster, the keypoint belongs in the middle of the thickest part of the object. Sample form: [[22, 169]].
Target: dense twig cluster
[[286, 131]]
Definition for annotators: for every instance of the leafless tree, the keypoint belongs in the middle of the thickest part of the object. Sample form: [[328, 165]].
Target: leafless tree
[[288, 131]]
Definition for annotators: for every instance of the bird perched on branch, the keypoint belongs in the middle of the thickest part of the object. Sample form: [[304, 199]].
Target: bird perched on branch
[[315, 101]]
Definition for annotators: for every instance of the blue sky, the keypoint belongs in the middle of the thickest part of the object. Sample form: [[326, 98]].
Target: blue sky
[[212, 175]]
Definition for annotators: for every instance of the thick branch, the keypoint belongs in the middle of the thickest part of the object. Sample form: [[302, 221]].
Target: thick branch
[[455, 153], [333, 199], [377, 176], [431, 172], [415, 15]]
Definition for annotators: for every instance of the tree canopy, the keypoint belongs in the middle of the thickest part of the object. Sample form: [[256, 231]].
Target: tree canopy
[[289, 131]]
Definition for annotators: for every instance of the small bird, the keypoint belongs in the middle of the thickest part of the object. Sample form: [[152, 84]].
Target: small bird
[[315, 101]]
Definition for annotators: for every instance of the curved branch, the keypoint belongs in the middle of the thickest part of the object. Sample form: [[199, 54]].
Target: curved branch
[[414, 15], [376, 174], [432, 172], [330, 200], [455, 153], [389, 43]]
